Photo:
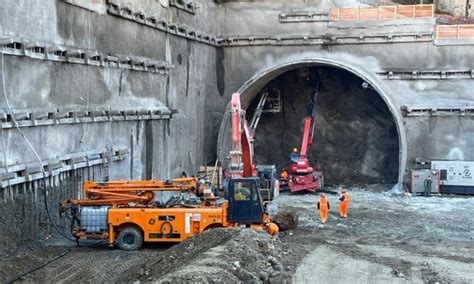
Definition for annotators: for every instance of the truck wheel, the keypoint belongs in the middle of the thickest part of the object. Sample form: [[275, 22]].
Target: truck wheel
[[130, 238]]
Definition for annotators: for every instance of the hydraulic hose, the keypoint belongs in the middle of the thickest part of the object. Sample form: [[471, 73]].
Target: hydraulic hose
[[18, 277]]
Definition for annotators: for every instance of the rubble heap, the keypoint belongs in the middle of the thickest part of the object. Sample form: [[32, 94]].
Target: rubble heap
[[220, 255]]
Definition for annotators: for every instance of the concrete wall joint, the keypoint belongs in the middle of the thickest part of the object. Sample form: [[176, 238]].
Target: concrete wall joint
[[57, 53], [64, 116], [22, 173]]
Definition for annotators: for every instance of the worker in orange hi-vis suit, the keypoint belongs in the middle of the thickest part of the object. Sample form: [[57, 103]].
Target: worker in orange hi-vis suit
[[323, 206], [284, 175], [343, 203]]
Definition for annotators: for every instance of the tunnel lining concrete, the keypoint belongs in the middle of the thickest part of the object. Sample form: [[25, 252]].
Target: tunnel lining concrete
[[252, 86]]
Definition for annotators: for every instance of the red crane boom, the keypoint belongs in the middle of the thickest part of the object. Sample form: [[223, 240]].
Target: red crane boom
[[302, 175]]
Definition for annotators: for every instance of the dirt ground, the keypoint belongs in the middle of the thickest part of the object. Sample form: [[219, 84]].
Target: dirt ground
[[387, 237]]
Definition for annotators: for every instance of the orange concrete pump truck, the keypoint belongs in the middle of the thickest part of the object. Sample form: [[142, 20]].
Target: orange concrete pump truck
[[126, 213]]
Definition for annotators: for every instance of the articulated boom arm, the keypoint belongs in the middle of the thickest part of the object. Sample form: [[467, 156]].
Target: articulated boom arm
[[309, 121], [122, 192], [307, 137], [241, 152]]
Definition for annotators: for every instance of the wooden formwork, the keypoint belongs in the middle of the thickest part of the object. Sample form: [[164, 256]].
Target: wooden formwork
[[454, 31], [392, 12]]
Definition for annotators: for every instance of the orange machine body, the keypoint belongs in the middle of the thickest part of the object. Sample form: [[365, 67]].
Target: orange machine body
[[130, 204], [166, 224]]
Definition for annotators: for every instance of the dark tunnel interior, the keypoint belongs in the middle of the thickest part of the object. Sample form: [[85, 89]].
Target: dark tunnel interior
[[355, 140]]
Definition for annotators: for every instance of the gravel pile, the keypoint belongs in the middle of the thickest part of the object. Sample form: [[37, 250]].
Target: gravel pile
[[220, 255]]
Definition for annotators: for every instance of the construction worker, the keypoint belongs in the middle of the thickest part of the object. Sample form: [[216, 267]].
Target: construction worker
[[75, 212], [284, 176], [294, 156], [323, 206], [242, 194], [343, 203], [427, 187]]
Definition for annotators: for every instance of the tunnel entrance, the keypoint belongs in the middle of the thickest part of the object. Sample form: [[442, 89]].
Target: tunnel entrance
[[356, 138]]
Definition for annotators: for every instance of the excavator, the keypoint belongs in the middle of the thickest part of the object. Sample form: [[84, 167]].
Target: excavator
[[301, 175], [128, 213], [241, 155]]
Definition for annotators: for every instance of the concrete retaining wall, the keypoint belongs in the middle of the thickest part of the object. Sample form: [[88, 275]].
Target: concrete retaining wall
[[158, 149]]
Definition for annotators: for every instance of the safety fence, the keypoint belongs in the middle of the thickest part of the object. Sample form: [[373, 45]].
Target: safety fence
[[393, 12], [454, 31]]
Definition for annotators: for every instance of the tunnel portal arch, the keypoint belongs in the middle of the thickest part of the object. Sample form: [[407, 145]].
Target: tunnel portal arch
[[250, 89]]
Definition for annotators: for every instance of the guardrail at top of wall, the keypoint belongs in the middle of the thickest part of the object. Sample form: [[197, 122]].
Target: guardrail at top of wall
[[454, 31], [392, 12]]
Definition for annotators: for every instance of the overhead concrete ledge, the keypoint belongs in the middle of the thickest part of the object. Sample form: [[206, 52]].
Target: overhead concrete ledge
[[454, 41]]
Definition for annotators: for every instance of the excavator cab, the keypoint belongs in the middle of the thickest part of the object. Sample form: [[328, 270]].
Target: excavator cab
[[245, 201]]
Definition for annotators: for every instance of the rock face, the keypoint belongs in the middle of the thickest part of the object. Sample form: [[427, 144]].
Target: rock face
[[355, 136], [219, 255], [456, 8], [286, 220]]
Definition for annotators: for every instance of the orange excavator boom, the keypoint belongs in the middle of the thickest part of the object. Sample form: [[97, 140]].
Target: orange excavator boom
[[241, 152]]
